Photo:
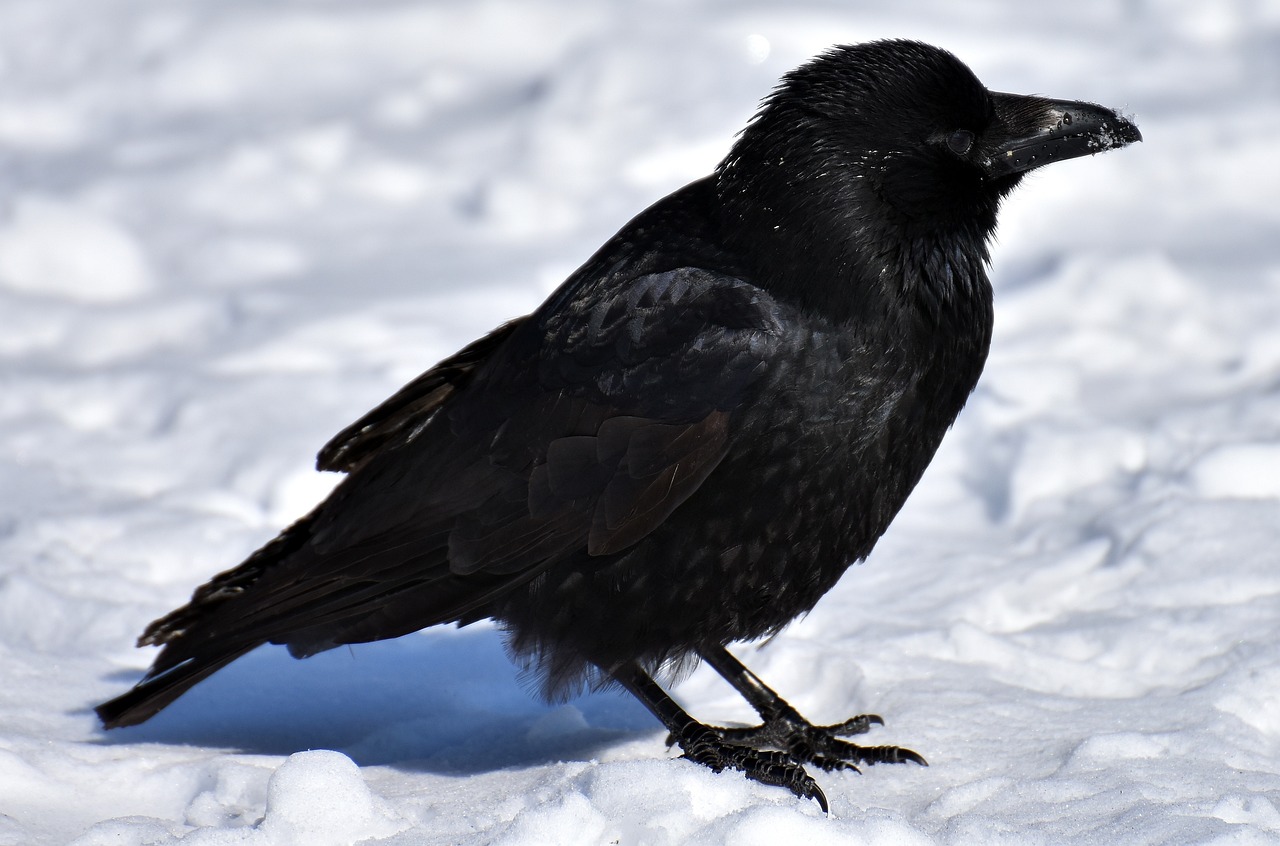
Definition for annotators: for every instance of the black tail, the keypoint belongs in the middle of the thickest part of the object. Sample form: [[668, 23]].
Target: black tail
[[155, 692], [195, 644]]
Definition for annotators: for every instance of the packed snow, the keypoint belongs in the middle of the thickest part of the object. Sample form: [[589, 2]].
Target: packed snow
[[228, 228]]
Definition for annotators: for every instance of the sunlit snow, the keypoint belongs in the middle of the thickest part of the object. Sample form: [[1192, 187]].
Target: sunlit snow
[[228, 228]]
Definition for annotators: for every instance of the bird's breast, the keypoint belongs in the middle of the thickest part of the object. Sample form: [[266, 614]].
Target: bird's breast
[[846, 427]]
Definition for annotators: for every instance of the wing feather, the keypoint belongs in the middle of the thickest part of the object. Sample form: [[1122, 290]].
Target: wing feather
[[578, 431]]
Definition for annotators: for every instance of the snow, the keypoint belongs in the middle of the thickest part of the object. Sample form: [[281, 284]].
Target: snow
[[228, 228]]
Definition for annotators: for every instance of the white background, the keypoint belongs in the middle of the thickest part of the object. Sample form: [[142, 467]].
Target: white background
[[229, 227]]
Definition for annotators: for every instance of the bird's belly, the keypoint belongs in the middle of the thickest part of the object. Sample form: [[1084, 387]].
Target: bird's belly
[[761, 541], [813, 479]]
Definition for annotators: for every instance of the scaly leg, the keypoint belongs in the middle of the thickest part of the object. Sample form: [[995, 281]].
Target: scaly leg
[[784, 729], [705, 745]]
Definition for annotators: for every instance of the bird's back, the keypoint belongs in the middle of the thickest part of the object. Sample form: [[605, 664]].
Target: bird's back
[[789, 440]]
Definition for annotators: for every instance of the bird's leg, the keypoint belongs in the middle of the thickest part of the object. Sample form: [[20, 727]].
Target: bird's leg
[[704, 744], [783, 727]]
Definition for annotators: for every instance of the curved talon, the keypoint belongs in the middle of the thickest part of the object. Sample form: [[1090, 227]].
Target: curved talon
[[784, 729], [703, 745], [889, 755], [805, 742], [820, 797], [832, 765], [860, 724]]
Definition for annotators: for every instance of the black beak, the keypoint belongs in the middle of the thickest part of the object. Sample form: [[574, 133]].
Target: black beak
[[1034, 131]]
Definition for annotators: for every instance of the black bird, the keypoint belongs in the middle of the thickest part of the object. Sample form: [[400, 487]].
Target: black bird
[[696, 435]]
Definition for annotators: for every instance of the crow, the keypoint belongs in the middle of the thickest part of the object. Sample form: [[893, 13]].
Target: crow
[[695, 436]]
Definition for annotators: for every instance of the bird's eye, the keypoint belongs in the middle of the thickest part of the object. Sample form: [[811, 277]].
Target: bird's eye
[[960, 141]]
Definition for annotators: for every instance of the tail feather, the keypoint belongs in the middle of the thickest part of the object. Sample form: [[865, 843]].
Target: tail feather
[[311, 595], [157, 691], [233, 583]]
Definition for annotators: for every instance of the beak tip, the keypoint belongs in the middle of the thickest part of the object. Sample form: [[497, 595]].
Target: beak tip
[[1044, 131], [1125, 132], [1122, 134]]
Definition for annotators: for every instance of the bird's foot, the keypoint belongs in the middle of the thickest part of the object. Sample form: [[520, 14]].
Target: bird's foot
[[704, 745], [822, 746]]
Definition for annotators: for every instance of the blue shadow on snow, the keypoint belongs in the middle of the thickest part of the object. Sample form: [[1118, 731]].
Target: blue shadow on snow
[[444, 701]]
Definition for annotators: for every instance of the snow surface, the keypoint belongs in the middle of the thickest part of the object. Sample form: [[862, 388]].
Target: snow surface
[[227, 228]]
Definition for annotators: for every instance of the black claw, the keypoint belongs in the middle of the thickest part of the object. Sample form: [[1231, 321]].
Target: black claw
[[829, 764], [890, 755], [821, 746], [860, 724], [850, 752], [821, 798], [703, 745], [772, 753]]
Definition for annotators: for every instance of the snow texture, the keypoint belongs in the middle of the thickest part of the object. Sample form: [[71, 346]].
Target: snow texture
[[227, 228]]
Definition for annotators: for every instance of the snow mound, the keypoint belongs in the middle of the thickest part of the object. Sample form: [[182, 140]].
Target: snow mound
[[315, 798], [229, 228]]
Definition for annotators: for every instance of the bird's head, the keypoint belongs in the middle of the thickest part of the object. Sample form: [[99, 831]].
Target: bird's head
[[873, 152]]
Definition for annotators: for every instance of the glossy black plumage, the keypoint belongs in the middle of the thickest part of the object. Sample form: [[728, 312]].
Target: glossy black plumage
[[697, 434]]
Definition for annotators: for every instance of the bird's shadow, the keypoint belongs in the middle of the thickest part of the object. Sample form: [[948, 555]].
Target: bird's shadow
[[446, 701]]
